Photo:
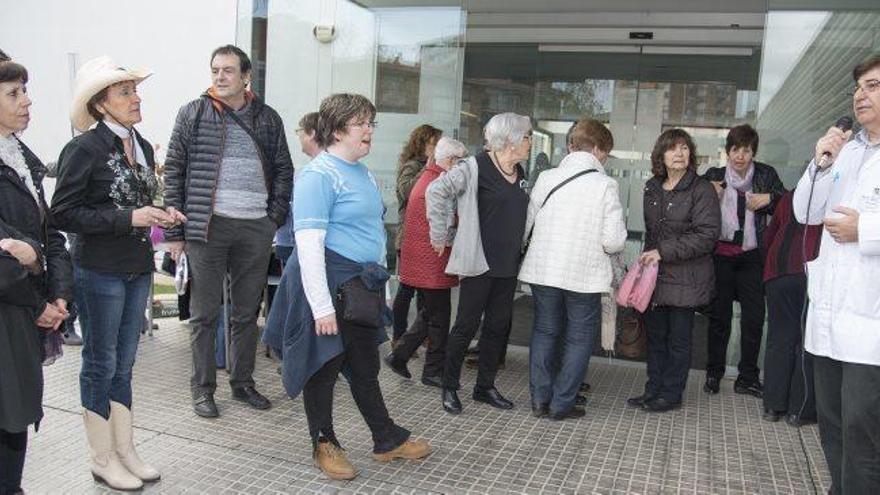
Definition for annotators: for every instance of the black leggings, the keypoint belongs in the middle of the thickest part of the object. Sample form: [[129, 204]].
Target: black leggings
[[12, 451]]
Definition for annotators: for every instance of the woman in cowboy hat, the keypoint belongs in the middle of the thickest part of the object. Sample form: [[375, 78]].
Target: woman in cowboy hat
[[105, 191]]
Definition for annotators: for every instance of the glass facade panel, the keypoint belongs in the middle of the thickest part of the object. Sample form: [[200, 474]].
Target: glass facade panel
[[806, 79], [413, 62]]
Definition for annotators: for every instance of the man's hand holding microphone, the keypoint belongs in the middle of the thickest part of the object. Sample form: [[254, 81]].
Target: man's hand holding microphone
[[843, 227]]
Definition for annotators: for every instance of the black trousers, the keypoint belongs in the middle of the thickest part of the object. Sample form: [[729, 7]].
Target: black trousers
[[492, 299], [432, 322], [13, 447], [740, 279], [400, 309], [361, 360], [788, 380], [243, 248], [848, 407], [669, 351]]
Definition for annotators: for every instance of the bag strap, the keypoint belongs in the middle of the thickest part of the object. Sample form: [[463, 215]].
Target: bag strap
[[556, 188], [246, 128], [566, 181]]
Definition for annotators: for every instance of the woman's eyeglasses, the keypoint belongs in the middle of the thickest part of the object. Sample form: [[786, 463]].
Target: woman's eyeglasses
[[363, 125]]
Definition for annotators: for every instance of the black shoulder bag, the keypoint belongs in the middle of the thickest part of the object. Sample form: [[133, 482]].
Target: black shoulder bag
[[358, 305]]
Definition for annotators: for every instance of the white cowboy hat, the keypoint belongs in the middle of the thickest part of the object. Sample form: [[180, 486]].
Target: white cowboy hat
[[91, 78]]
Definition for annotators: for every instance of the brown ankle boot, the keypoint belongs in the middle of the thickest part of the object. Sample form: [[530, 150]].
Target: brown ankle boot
[[332, 461], [410, 449]]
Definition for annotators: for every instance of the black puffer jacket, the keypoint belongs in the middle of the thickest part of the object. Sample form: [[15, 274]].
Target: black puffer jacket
[[683, 225], [192, 163], [764, 181]]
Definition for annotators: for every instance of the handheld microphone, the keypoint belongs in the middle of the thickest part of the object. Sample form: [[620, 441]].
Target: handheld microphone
[[844, 123]]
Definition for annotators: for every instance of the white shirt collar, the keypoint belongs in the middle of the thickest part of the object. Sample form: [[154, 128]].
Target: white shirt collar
[[124, 133]]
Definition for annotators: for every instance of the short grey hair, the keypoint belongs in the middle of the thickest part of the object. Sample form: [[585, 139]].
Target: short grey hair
[[506, 129], [448, 147]]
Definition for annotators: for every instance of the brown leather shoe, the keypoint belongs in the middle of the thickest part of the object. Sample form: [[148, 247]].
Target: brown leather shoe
[[332, 461], [410, 449]]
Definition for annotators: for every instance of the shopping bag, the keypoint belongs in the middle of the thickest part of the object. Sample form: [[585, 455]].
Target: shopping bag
[[638, 286]]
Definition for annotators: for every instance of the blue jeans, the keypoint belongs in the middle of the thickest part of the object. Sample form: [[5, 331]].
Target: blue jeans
[[565, 322], [111, 312]]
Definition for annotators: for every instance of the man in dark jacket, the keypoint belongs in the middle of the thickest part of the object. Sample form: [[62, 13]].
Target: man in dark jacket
[[228, 169]]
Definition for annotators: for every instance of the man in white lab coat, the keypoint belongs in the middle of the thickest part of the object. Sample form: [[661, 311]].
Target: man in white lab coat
[[843, 323]]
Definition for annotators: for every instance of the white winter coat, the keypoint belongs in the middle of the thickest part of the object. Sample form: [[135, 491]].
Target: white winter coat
[[575, 231], [843, 322]]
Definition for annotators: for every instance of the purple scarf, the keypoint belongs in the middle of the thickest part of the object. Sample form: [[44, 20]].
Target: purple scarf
[[729, 220]]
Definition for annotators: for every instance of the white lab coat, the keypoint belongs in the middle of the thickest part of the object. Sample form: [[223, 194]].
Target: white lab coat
[[843, 322]]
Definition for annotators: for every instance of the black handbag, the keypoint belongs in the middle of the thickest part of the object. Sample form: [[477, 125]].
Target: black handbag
[[358, 305]]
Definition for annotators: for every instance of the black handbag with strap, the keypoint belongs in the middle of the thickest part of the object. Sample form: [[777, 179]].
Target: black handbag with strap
[[556, 188], [358, 305]]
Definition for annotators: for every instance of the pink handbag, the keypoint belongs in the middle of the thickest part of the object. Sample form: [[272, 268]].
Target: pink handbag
[[157, 235], [638, 286]]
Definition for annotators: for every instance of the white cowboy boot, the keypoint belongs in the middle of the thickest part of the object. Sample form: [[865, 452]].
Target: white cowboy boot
[[106, 467], [121, 422]]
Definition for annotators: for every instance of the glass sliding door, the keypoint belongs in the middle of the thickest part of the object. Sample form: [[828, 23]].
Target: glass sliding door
[[405, 57]]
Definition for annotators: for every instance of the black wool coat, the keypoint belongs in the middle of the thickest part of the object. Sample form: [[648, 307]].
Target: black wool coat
[[23, 295]]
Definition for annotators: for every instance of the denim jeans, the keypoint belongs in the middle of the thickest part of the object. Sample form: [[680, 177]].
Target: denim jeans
[[111, 314], [572, 319]]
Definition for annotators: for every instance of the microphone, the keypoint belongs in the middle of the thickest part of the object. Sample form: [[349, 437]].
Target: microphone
[[844, 123]]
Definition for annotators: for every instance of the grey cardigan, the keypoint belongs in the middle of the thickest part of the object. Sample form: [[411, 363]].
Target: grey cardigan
[[456, 191]]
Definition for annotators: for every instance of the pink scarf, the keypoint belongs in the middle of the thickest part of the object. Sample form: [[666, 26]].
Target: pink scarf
[[729, 221]]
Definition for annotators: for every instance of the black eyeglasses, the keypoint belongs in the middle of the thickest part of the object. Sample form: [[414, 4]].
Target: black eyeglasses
[[372, 124]]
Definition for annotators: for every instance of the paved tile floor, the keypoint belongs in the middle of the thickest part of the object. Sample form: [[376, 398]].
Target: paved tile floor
[[714, 444]]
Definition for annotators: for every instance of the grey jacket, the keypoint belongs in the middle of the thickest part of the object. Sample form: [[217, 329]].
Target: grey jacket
[[456, 191]]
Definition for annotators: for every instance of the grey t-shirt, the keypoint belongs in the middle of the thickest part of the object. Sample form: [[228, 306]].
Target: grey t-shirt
[[241, 187]]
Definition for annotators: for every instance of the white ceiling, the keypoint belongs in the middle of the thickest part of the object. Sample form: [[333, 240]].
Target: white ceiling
[[711, 6], [720, 23], [532, 6]]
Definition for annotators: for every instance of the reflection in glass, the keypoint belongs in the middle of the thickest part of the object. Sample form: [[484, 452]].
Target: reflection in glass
[[801, 99]]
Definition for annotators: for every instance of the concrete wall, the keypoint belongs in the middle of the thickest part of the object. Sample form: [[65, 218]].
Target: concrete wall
[[174, 38]]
